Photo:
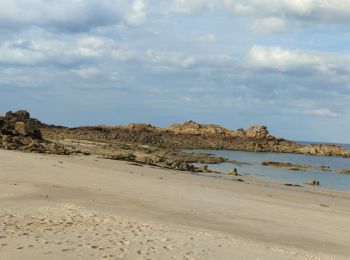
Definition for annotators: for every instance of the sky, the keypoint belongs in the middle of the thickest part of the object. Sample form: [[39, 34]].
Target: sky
[[280, 63]]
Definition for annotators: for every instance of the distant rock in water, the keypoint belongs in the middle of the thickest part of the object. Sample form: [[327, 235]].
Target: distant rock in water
[[346, 171], [20, 132], [296, 167], [312, 182]]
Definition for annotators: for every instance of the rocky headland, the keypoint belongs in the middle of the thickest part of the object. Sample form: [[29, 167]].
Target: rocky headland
[[147, 144], [191, 135]]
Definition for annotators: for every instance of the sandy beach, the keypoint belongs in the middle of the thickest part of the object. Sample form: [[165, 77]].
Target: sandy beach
[[83, 207]]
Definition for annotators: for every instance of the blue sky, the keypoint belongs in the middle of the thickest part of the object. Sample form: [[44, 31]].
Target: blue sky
[[281, 63]]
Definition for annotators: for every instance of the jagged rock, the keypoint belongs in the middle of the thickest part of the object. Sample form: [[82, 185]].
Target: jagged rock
[[203, 168], [124, 156], [20, 115], [25, 129], [19, 132], [145, 159], [326, 150], [258, 132]]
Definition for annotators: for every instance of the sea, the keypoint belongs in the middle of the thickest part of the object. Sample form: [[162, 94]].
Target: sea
[[250, 163]]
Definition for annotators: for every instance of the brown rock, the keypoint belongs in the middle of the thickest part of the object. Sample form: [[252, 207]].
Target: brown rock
[[20, 132], [233, 172], [21, 128], [20, 115], [312, 182], [258, 132], [346, 171]]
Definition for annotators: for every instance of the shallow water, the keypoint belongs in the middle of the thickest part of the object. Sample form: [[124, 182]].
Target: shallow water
[[329, 180]]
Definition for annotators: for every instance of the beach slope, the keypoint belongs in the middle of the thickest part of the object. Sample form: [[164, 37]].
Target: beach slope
[[83, 207]]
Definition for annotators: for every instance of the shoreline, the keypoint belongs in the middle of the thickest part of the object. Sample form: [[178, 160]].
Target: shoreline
[[262, 215]]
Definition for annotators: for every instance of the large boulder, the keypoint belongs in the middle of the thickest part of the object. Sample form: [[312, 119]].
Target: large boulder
[[20, 115], [257, 131], [19, 123], [20, 132]]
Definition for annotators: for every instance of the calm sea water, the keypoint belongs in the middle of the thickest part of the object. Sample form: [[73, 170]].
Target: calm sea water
[[329, 180]]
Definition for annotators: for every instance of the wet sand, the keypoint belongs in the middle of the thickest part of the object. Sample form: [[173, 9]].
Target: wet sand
[[82, 207]]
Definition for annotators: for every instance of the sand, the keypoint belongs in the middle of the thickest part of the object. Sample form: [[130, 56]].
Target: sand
[[83, 207]]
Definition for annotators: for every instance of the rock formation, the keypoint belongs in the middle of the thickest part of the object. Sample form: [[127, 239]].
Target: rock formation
[[312, 182], [345, 171], [258, 132], [326, 150], [19, 132], [31, 134], [296, 167], [191, 135]]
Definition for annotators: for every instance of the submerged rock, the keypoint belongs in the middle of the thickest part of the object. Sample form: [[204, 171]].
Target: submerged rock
[[296, 167], [346, 171]]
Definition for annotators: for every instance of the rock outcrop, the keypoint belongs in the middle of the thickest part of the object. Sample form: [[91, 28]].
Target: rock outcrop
[[345, 171], [324, 149], [20, 132], [258, 132], [296, 167], [191, 135], [312, 182]]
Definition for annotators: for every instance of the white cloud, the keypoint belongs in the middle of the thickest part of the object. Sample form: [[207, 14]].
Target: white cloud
[[123, 54], [68, 15], [324, 112], [193, 6], [170, 59], [269, 25], [284, 60], [68, 51], [273, 14], [92, 46], [88, 72], [137, 14], [207, 38], [19, 52]]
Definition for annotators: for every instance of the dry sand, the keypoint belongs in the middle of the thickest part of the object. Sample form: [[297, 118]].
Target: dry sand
[[82, 207]]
